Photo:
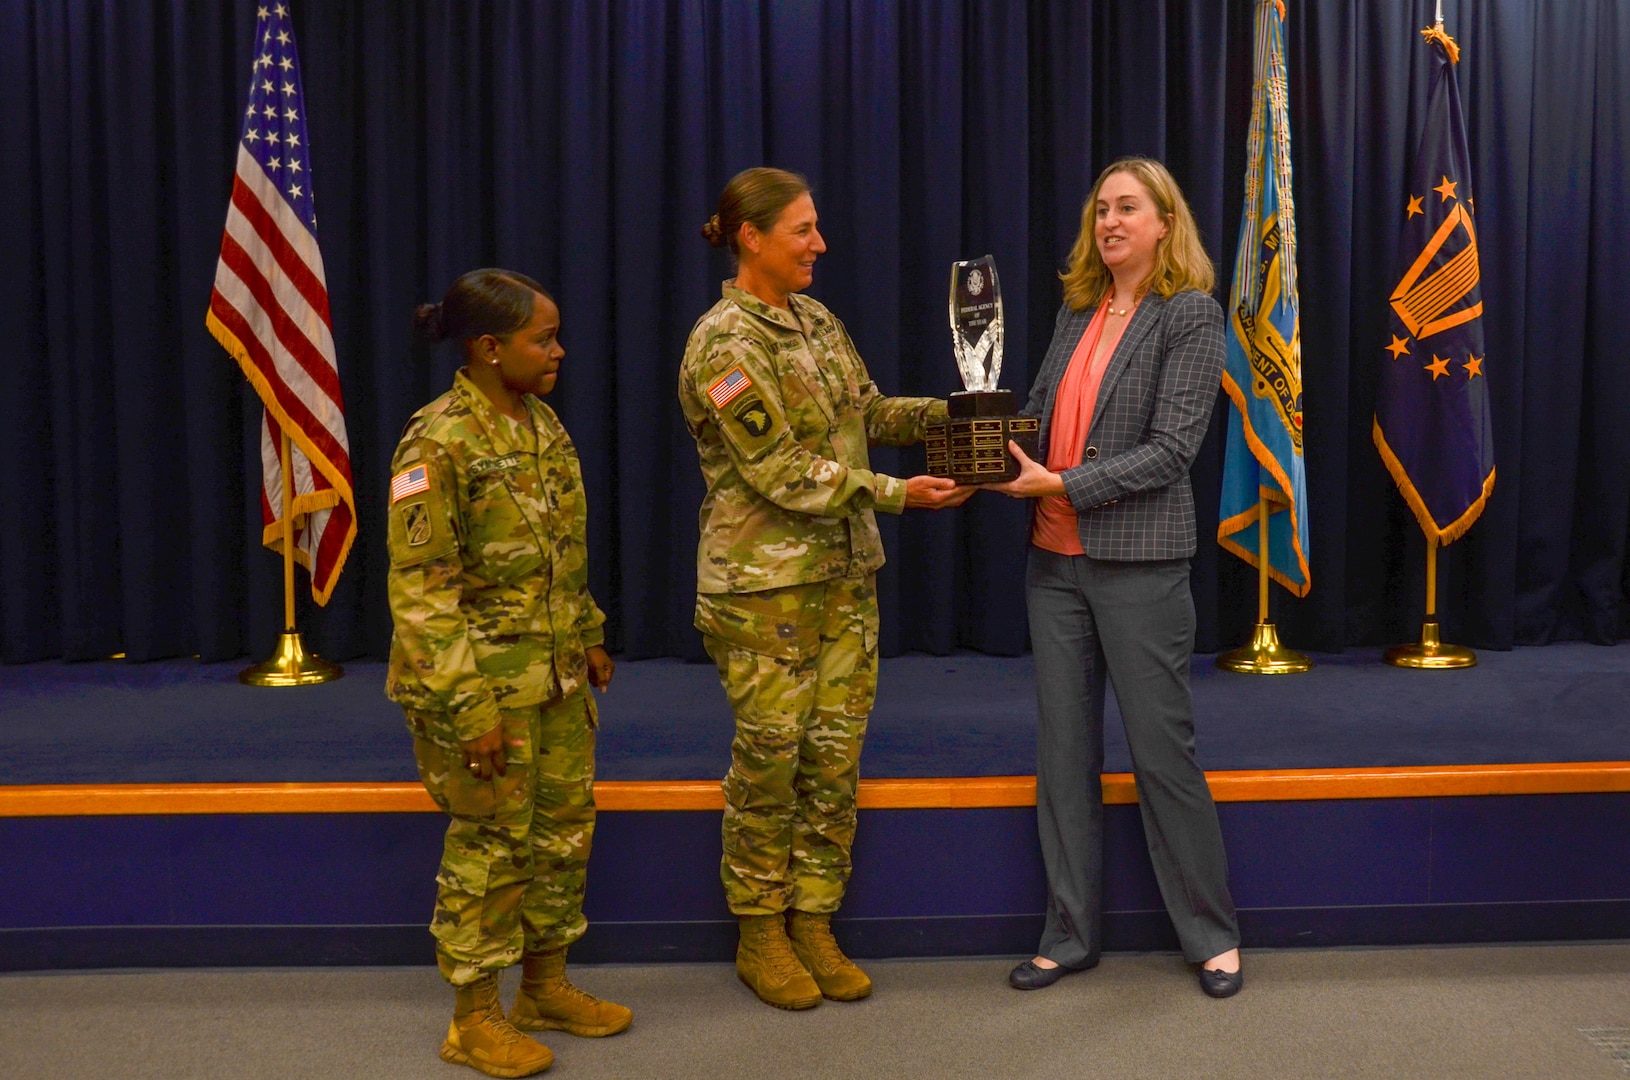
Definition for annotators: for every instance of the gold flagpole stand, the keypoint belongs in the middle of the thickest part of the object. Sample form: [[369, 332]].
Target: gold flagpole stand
[[291, 664], [1263, 655], [1431, 653]]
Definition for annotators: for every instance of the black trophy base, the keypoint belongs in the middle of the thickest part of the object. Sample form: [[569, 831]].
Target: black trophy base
[[971, 447]]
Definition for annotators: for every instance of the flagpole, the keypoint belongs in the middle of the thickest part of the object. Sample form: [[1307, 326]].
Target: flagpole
[[1430, 653], [1432, 578], [1262, 512], [291, 664], [288, 532], [1263, 655]]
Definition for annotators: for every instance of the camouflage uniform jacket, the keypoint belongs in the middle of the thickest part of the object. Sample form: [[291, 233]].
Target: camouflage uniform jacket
[[782, 409], [489, 568]]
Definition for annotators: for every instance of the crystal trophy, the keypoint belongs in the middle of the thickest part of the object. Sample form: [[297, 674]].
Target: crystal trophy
[[971, 446]]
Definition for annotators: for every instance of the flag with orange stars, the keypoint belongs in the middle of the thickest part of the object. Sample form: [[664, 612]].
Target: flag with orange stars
[[1432, 405]]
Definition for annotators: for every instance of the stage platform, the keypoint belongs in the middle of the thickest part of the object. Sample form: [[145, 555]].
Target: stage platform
[[181, 818]]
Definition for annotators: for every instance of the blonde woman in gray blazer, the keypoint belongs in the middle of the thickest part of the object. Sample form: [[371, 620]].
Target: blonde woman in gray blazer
[[1124, 396]]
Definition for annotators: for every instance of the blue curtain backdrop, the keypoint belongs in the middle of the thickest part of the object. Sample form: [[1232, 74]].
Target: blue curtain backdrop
[[585, 142]]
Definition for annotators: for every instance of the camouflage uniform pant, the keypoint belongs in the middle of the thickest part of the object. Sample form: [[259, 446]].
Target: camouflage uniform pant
[[515, 859], [799, 665]]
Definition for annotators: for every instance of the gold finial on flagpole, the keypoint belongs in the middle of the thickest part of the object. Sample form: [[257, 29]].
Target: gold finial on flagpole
[[291, 664], [1263, 655], [1430, 653]]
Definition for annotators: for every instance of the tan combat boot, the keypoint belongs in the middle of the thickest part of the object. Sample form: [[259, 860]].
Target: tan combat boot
[[549, 1001], [817, 949], [766, 963], [481, 1038]]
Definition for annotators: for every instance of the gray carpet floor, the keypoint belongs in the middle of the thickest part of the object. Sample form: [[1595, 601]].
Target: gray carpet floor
[[1559, 1011]]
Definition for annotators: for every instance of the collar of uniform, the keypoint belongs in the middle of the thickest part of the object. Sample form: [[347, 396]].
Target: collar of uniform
[[545, 426], [484, 414], [812, 317], [768, 312]]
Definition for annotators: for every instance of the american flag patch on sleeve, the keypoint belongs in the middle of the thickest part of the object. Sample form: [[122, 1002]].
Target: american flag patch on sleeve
[[728, 386], [409, 482]]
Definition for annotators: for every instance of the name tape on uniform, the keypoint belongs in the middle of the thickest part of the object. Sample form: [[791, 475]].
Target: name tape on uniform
[[409, 482], [728, 387]]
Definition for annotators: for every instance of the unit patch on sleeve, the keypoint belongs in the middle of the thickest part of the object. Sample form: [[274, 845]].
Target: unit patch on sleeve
[[416, 524], [752, 416], [420, 525], [728, 387]]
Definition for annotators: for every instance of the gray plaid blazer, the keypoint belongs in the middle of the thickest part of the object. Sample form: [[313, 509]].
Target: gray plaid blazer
[[1131, 492]]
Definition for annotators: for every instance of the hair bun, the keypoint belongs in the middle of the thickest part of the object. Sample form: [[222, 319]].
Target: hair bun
[[712, 232], [429, 322]]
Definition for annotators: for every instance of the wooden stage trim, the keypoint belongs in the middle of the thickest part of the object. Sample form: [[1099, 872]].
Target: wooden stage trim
[[1253, 785]]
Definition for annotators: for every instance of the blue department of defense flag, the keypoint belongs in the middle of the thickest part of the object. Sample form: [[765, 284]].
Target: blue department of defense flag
[[1263, 371], [1432, 405]]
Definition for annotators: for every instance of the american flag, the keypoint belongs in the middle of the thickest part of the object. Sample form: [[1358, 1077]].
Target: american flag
[[269, 309]]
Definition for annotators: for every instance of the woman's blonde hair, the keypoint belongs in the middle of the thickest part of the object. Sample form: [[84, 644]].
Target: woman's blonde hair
[[1180, 261]]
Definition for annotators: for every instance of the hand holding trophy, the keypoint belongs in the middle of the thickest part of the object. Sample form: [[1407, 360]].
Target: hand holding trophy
[[971, 446]]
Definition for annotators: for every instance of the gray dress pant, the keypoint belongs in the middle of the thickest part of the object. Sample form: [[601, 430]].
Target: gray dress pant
[[1132, 622]]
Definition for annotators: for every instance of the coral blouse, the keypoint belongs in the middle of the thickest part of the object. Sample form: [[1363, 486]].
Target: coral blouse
[[1054, 527]]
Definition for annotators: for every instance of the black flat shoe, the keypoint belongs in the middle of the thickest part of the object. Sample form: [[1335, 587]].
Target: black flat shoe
[[1030, 976], [1221, 984]]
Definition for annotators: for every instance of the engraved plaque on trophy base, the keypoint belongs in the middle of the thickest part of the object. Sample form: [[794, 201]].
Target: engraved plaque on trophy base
[[971, 447]]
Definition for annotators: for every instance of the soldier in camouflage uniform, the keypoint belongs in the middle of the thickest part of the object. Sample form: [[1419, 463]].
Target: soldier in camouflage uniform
[[782, 410], [496, 644]]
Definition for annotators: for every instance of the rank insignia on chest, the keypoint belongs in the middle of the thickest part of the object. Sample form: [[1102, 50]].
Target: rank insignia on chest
[[416, 524], [728, 387], [752, 416], [409, 482]]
